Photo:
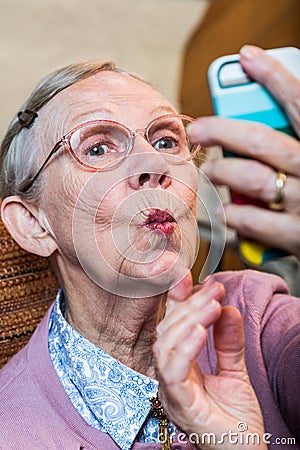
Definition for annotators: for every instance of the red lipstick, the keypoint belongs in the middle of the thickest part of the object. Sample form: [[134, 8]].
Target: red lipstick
[[161, 220]]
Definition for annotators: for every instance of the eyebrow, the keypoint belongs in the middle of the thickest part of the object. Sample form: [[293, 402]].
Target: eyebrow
[[156, 111]]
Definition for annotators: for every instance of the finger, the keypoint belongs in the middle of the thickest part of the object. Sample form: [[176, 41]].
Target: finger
[[172, 337], [229, 343], [252, 179], [181, 381], [275, 229], [182, 289], [268, 71], [183, 312], [175, 352], [251, 139]]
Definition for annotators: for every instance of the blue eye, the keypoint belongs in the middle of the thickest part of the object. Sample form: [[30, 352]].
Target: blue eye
[[164, 144], [98, 150]]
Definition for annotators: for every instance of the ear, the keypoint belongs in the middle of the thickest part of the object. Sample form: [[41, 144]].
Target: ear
[[23, 223]]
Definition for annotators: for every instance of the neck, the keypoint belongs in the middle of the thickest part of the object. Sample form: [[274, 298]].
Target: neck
[[123, 327]]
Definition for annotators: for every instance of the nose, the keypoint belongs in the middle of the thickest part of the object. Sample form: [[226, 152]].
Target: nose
[[147, 168]]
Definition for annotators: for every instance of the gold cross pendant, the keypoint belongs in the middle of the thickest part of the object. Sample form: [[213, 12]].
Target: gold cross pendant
[[157, 410]]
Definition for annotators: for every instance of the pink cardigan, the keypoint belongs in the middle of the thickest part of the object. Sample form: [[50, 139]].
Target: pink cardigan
[[36, 414]]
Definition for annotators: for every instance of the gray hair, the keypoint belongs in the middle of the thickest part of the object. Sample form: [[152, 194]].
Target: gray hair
[[18, 162]]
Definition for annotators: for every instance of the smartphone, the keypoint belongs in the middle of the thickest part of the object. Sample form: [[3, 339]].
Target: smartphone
[[235, 95]]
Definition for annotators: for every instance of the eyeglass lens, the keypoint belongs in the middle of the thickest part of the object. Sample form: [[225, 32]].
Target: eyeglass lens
[[102, 143]]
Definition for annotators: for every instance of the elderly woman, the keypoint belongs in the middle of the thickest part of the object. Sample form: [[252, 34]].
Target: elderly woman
[[98, 176]]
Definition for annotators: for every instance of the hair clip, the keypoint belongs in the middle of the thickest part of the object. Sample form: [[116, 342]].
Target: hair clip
[[27, 117]]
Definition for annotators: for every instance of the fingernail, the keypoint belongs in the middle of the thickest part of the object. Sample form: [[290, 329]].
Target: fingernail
[[158, 330], [249, 51], [209, 295], [170, 305], [213, 290]]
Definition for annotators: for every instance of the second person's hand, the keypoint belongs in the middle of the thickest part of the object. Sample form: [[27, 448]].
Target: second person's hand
[[274, 158]]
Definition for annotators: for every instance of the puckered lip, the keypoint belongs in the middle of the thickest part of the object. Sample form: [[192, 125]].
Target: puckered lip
[[161, 220], [159, 216]]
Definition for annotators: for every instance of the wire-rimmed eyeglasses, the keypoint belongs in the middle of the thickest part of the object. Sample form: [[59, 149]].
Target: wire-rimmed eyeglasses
[[100, 145]]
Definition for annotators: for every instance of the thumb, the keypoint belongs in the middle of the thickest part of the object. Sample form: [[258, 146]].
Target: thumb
[[282, 84], [229, 342]]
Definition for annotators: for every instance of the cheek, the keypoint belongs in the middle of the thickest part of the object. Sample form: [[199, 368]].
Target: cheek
[[185, 185], [62, 191], [185, 179], [71, 201], [189, 197], [94, 212]]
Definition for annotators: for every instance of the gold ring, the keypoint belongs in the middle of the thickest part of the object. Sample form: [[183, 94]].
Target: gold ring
[[278, 203]]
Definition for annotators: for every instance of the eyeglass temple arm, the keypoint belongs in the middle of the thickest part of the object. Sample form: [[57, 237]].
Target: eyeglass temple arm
[[28, 184]]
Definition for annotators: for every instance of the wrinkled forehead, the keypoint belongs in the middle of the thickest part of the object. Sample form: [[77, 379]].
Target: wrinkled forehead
[[105, 95]]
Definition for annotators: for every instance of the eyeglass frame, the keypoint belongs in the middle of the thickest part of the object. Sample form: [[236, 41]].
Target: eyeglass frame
[[65, 140]]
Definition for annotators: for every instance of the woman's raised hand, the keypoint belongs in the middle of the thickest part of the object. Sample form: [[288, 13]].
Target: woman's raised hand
[[196, 402]]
